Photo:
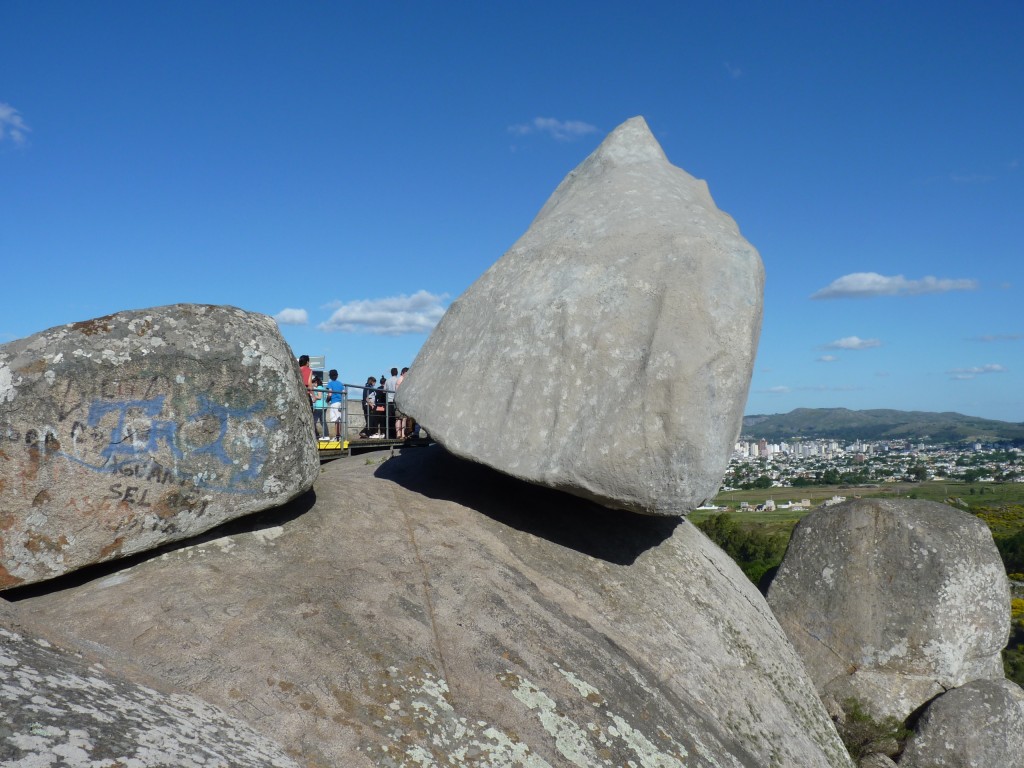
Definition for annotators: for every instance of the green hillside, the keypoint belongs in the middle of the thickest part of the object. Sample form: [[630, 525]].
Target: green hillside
[[844, 424]]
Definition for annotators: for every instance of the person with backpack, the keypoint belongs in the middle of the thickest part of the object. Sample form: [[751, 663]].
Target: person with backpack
[[369, 402], [380, 410]]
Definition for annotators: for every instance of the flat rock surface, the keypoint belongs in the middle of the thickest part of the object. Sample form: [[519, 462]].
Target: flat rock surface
[[430, 611], [893, 601], [122, 433], [59, 709], [608, 353]]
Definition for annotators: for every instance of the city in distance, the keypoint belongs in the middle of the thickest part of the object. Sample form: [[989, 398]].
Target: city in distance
[[876, 452]]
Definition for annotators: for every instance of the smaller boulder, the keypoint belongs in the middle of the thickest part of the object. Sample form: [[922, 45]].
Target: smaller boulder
[[893, 601], [979, 725], [126, 432]]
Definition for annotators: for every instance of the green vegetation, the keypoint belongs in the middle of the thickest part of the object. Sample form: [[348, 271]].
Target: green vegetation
[[1013, 656], [966, 496], [1011, 549], [754, 551], [863, 735], [1007, 525]]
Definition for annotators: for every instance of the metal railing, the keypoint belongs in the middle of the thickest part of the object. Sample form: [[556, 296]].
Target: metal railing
[[379, 419]]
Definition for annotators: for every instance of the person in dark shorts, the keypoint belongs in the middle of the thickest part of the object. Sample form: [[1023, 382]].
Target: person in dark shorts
[[369, 401]]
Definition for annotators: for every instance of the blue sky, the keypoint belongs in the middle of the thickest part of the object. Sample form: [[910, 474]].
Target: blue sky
[[351, 168]]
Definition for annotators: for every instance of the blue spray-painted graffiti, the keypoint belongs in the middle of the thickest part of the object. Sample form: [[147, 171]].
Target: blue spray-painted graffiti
[[128, 446], [124, 444], [223, 414]]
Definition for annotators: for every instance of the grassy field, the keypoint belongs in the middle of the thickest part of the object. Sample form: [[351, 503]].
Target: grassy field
[[968, 496]]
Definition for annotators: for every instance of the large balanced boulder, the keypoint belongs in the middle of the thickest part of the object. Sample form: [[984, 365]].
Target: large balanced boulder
[[608, 353], [433, 612], [122, 433], [980, 725], [893, 601], [58, 709]]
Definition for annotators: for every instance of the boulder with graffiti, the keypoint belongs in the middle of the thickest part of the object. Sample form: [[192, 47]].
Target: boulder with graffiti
[[125, 432]]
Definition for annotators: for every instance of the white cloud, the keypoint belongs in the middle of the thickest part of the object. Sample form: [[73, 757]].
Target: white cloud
[[969, 373], [862, 284], [563, 130], [827, 359], [1001, 337], [12, 125], [853, 342], [392, 316], [288, 316], [734, 71]]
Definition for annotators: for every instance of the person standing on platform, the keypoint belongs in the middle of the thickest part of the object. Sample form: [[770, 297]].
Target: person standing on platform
[[389, 387], [319, 407], [306, 373], [401, 420], [368, 403], [336, 401]]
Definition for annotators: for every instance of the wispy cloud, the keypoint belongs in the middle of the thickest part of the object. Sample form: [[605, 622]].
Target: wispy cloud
[[785, 389], [853, 342], [288, 316], [391, 316], [734, 71], [969, 373], [12, 125], [971, 178], [1000, 337], [831, 388], [863, 284], [563, 130], [827, 359]]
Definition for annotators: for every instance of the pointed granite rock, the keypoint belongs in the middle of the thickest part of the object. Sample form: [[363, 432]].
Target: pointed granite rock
[[608, 353]]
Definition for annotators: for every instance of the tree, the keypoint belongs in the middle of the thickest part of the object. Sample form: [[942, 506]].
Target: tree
[[754, 552], [918, 474], [1011, 549], [830, 476]]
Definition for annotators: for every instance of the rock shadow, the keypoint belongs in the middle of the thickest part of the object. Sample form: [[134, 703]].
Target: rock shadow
[[616, 536], [255, 521]]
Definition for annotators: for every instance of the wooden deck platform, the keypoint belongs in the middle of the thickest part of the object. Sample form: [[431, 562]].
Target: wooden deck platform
[[333, 449]]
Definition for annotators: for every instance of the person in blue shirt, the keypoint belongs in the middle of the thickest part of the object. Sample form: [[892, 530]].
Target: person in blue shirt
[[318, 393], [335, 402]]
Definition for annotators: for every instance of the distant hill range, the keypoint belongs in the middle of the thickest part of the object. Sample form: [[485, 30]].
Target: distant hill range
[[844, 424]]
